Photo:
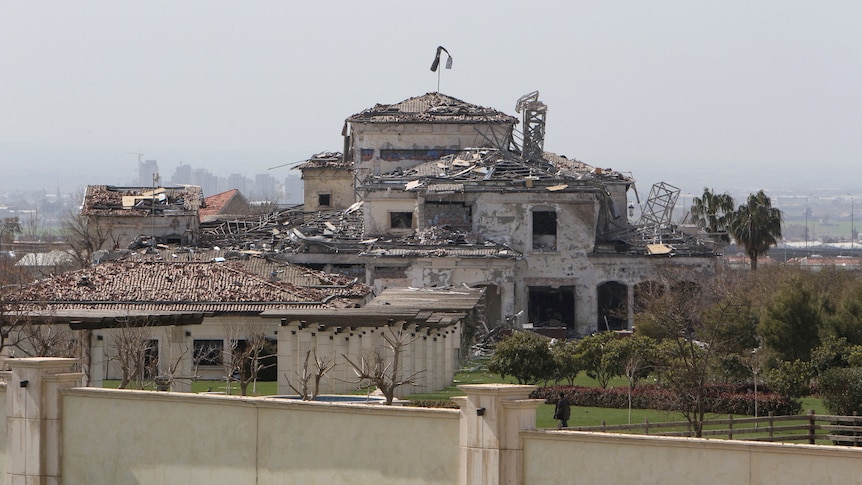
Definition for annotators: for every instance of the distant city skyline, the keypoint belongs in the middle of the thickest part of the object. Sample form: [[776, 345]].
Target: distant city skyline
[[730, 95]]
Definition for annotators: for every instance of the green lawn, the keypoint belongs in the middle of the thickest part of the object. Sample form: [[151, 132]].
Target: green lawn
[[477, 373]]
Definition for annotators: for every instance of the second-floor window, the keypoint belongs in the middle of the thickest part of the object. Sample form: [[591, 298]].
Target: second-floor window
[[324, 200], [544, 230], [401, 220]]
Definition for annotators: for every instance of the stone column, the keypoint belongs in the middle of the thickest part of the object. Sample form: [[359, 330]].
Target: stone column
[[492, 417], [336, 378], [325, 345], [286, 360], [34, 418], [181, 353], [98, 365]]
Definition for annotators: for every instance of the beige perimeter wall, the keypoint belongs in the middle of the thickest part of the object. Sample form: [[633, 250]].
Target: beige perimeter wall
[[587, 458], [3, 444], [140, 437]]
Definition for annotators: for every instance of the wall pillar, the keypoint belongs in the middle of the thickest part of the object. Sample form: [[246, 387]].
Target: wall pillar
[[181, 351], [33, 418], [98, 365], [630, 306], [492, 417], [287, 360]]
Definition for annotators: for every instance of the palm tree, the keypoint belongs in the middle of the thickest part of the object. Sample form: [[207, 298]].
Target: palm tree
[[712, 212], [756, 225]]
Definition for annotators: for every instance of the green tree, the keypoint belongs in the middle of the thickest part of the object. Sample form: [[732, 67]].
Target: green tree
[[831, 353], [846, 319], [790, 378], [566, 361], [756, 225], [638, 356], [525, 356], [841, 390], [599, 355], [712, 212], [790, 323]]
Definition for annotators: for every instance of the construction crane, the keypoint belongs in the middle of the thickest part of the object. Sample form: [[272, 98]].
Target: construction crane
[[139, 154]]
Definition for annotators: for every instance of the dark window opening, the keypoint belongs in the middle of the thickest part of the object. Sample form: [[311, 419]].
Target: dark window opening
[[544, 231], [151, 359], [401, 220], [552, 307], [324, 200], [613, 306], [208, 352], [455, 215], [390, 272]]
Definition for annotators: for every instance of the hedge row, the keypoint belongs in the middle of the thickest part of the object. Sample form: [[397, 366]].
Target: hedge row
[[720, 399]]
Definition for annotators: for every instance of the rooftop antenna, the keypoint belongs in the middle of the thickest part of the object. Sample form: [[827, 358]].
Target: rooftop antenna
[[436, 63]]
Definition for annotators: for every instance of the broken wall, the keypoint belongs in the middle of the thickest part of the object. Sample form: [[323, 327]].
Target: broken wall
[[122, 230], [383, 147], [337, 183], [385, 212]]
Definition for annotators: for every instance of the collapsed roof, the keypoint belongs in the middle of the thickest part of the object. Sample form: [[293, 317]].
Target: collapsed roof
[[102, 200], [431, 108]]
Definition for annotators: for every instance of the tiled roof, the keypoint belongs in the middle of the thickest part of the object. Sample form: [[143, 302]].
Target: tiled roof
[[176, 283], [431, 108], [215, 203], [253, 262]]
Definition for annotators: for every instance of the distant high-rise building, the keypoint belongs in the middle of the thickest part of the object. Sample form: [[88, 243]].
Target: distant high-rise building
[[146, 172], [239, 182], [182, 174], [264, 187], [207, 181], [293, 190]]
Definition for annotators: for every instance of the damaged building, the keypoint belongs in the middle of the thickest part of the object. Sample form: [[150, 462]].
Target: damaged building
[[437, 192], [448, 193], [120, 217], [193, 309]]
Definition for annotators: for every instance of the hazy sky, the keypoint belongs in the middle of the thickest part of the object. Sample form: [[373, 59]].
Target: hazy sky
[[730, 94]]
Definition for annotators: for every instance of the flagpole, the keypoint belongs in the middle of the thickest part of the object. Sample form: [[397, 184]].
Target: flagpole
[[436, 64]]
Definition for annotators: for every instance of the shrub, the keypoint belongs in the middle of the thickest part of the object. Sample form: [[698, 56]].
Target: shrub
[[524, 355], [841, 390], [722, 399]]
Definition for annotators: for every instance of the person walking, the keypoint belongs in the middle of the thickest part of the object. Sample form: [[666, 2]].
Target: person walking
[[562, 411]]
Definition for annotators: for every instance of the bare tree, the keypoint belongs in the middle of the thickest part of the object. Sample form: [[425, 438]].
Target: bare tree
[[700, 320], [304, 377], [46, 340], [14, 316], [245, 354], [205, 355], [85, 234], [165, 369], [32, 227], [132, 347], [382, 372]]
